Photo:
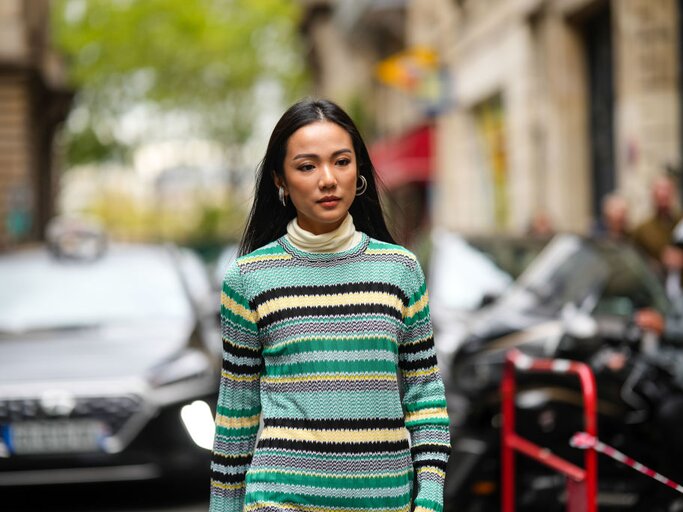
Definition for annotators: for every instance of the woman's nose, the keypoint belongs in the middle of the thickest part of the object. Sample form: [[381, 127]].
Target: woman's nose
[[327, 177]]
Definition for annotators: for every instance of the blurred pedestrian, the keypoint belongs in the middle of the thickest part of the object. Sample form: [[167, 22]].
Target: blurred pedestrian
[[669, 324], [613, 222], [327, 340], [654, 234], [541, 225]]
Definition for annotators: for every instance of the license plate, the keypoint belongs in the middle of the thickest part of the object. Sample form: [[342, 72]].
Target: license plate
[[54, 436]]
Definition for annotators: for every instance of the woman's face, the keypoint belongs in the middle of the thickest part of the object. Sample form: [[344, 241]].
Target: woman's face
[[320, 174]]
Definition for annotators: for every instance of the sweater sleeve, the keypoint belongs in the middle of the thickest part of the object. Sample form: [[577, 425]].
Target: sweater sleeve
[[239, 405], [424, 400]]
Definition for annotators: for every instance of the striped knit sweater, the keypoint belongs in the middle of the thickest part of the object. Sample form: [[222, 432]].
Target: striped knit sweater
[[330, 397]]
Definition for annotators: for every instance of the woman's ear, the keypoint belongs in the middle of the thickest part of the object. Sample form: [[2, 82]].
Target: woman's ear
[[279, 182]]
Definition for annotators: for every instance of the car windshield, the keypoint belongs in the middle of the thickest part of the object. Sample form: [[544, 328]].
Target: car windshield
[[600, 276], [40, 292], [463, 270]]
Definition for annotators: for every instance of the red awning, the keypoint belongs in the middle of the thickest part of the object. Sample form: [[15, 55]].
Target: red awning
[[404, 159]]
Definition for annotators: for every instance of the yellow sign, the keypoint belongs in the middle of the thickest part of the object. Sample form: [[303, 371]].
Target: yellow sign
[[407, 70]]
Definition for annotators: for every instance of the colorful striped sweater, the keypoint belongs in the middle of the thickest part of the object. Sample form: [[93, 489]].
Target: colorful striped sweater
[[330, 396]]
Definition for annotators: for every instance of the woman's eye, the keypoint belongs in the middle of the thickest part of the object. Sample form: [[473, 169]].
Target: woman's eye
[[306, 167], [343, 162]]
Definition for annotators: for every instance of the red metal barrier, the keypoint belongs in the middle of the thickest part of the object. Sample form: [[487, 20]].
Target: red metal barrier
[[581, 482]]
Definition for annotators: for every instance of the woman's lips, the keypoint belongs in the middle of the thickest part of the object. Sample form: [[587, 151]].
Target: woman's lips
[[329, 202]]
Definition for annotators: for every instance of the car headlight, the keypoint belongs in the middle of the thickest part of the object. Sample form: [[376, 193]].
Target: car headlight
[[199, 422]]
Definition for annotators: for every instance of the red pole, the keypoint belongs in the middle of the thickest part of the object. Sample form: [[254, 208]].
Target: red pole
[[590, 420], [510, 441], [508, 389]]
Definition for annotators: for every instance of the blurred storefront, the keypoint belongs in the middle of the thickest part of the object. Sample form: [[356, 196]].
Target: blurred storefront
[[33, 101], [536, 105]]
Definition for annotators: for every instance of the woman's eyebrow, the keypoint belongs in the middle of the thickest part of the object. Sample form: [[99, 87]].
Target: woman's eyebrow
[[313, 155]]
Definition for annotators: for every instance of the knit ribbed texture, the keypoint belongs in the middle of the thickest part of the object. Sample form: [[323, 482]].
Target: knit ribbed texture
[[334, 353]]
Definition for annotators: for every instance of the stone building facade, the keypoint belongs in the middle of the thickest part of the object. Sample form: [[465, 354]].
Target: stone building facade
[[546, 105], [34, 100]]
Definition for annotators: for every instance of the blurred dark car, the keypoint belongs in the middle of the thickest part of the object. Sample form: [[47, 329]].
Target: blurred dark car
[[109, 363], [466, 273]]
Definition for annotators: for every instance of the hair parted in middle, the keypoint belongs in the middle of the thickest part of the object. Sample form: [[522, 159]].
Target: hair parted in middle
[[268, 218]]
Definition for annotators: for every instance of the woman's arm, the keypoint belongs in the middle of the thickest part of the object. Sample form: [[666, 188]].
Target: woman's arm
[[239, 407], [424, 400]]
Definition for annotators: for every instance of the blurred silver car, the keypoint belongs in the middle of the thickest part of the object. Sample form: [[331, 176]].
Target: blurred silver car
[[110, 359]]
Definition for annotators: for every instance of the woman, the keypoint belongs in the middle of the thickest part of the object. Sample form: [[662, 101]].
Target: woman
[[327, 340]]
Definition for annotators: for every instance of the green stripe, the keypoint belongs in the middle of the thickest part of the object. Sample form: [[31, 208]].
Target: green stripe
[[335, 482], [238, 413], [345, 367], [428, 504], [237, 432], [416, 406], [341, 343], [369, 504]]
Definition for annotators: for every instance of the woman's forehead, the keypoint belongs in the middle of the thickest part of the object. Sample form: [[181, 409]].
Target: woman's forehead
[[320, 137]]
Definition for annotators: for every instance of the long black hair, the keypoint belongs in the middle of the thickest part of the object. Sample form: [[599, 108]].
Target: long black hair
[[268, 218]]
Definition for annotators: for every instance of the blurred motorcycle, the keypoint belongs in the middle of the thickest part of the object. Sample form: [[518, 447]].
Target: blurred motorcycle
[[640, 401]]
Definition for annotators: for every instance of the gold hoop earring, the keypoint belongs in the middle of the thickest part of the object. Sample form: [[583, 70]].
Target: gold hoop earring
[[281, 195], [360, 189]]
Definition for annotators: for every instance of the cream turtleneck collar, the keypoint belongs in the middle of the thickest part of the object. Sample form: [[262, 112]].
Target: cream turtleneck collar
[[341, 239]]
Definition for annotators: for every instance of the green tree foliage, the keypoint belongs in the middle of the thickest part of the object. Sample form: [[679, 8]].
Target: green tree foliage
[[194, 61]]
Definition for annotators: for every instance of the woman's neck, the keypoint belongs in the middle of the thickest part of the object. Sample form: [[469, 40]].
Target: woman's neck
[[340, 239]]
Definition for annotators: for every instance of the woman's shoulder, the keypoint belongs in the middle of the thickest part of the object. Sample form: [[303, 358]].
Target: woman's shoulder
[[380, 247], [265, 251]]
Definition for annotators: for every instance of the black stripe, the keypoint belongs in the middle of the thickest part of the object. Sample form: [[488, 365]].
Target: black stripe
[[430, 448], [431, 463], [333, 289], [414, 348], [419, 364], [354, 309], [227, 478], [242, 369], [333, 424], [226, 460], [322, 447], [239, 351]]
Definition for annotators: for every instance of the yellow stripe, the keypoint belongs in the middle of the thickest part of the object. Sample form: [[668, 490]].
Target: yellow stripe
[[418, 306], [238, 309], [436, 412], [428, 469], [265, 257], [391, 251], [312, 508], [231, 422], [341, 299], [228, 487], [328, 436], [330, 377], [421, 373], [239, 378]]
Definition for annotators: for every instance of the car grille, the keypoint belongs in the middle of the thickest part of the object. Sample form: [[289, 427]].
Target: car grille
[[113, 411]]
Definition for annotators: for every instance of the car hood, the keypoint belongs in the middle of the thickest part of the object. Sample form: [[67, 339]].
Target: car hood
[[107, 352]]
